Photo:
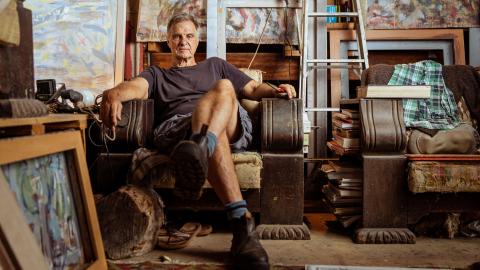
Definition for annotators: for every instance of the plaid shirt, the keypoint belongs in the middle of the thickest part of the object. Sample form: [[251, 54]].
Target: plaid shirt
[[438, 112]]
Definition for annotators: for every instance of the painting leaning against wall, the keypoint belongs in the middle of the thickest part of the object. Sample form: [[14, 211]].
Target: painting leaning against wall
[[404, 14], [74, 42], [43, 192]]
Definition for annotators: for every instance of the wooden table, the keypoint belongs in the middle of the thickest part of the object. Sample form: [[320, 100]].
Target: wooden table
[[12, 127]]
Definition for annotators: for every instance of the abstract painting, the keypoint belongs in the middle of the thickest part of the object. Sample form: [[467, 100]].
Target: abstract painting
[[243, 25], [405, 14], [43, 192], [74, 42]]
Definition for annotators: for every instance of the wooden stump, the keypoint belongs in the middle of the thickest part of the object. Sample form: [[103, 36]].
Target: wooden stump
[[130, 219]]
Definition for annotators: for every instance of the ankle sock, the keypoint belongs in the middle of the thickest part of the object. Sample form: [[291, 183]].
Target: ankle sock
[[211, 143], [236, 209]]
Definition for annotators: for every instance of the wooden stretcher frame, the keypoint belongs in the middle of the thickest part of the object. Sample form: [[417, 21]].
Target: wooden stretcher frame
[[337, 36]]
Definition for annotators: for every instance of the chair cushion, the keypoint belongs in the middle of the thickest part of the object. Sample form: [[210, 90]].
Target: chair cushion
[[444, 176], [248, 166]]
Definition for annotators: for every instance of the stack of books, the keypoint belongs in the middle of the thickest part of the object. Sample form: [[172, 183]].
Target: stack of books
[[343, 192], [346, 132]]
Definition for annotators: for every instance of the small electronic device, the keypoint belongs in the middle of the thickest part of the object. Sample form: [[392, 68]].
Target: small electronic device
[[45, 89]]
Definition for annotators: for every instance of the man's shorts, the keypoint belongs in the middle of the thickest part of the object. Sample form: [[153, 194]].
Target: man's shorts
[[179, 127]]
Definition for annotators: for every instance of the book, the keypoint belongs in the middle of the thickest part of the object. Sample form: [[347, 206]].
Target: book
[[342, 210], [346, 181], [348, 221], [343, 124], [345, 176], [344, 117], [347, 133], [351, 113], [339, 150], [395, 91], [339, 166], [347, 142], [344, 193], [337, 200]]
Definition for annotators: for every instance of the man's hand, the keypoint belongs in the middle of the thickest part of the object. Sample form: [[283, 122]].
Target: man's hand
[[111, 108], [286, 90]]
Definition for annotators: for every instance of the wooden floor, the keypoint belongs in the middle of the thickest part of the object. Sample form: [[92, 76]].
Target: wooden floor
[[330, 247]]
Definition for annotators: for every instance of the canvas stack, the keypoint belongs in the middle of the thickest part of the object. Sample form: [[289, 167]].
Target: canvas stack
[[343, 191]]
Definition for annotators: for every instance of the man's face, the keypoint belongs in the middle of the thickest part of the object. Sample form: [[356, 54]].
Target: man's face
[[183, 40]]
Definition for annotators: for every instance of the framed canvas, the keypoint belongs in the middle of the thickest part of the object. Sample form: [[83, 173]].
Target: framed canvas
[[79, 43], [18, 248], [48, 176]]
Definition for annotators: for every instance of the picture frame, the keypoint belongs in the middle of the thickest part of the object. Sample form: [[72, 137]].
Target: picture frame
[[18, 247], [454, 36], [50, 181]]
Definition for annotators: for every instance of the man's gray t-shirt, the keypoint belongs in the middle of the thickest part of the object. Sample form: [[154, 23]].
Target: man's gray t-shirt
[[177, 90]]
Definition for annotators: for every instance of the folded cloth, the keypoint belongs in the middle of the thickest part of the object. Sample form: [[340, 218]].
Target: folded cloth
[[9, 23], [437, 112], [17, 108]]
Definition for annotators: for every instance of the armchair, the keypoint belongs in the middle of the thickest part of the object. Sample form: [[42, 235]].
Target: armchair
[[436, 183], [270, 176]]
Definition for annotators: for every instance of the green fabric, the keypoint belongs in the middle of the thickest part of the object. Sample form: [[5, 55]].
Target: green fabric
[[438, 112]]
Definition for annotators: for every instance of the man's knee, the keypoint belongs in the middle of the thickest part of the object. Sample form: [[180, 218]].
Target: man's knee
[[225, 86]]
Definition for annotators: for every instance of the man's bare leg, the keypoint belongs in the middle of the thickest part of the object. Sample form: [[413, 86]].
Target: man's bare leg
[[218, 109]]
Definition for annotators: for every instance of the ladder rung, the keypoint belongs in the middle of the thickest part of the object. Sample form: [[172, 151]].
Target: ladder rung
[[322, 109], [333, 14], [336, 66], [326, 61]]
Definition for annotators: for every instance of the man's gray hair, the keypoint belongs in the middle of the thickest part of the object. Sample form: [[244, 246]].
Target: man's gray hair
[[181, 17]]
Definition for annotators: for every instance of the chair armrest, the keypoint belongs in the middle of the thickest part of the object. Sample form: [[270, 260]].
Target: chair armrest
[[383, 128], [282, 125], [135, 128]]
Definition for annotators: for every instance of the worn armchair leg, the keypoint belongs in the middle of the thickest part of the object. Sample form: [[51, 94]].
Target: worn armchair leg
[[283, 232], [385, 192], [384, 236], [281, 214]]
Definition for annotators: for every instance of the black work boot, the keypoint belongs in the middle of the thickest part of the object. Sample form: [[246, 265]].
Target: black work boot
[[191, 166], [246, 250]]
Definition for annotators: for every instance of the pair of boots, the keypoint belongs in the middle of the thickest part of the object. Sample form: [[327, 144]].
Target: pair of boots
[[191, 170]]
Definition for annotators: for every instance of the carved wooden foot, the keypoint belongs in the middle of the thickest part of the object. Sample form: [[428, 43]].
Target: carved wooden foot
[[283, 232], [384, 236]]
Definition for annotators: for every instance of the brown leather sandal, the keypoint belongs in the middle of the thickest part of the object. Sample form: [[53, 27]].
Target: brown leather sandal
[[177, 239]]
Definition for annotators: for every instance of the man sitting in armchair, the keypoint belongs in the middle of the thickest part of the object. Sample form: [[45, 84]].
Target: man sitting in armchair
[[199, 122]]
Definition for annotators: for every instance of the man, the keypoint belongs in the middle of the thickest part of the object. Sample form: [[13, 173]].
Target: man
[[197, 103]]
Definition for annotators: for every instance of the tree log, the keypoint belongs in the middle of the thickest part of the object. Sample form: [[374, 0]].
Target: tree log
[[130, 219]]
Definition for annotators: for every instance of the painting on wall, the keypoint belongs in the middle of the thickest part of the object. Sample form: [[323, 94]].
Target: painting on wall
[[75, 42], [404, 14], [243, 25]]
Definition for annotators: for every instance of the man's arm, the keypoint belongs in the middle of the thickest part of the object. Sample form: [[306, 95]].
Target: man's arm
[[256, 91], [111, 108]]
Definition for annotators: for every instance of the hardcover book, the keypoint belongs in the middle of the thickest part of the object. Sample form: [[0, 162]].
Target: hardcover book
[[395, 91]]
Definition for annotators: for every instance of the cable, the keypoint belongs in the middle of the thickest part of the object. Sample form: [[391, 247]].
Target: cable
[[260, 39]]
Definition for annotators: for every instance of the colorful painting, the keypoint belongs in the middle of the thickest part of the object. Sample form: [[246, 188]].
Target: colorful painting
[[243, 25], [400, 14], [43, 191], [74, 42]]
